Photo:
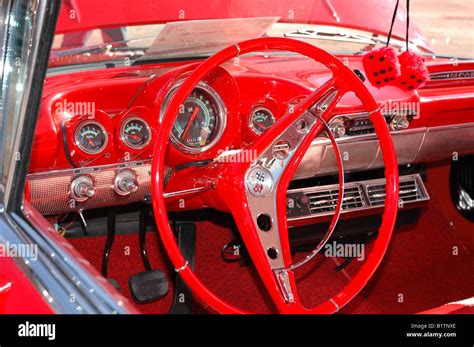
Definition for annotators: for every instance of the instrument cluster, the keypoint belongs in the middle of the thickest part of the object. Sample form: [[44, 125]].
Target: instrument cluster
[[101, 137]]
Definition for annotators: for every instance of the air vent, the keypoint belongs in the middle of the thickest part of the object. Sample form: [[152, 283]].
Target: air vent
[[322, 200], [326, 201], [410, 191]]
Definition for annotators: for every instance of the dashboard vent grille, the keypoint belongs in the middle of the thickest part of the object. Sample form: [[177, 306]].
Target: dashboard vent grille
[[326, 200], [361, 195], [410, 191]]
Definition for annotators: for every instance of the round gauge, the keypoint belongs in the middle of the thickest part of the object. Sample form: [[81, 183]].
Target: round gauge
[[91, 137], [261, 119], [200, 121], [135, 133]]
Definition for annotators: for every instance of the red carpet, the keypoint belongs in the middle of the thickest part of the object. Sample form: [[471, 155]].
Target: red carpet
[[419, 272]]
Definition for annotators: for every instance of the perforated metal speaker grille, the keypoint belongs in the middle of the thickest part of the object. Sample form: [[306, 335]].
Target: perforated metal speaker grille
[[50, 192]]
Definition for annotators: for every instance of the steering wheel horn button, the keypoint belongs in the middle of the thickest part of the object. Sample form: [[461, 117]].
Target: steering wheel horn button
[[259, 182]]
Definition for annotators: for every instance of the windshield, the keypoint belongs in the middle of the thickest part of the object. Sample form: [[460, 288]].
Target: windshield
[[196, 38]]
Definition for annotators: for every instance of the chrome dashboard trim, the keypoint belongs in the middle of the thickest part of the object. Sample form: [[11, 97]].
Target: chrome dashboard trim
[[50, 191], [185, 192], [452, 75]]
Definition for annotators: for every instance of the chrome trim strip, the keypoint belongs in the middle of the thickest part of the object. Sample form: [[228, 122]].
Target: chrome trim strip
[[178, 270], [185, 192], [452, 75], [38, 23], [238, 49], [374, 111], [450, 127], [335, 304], [89, 169]]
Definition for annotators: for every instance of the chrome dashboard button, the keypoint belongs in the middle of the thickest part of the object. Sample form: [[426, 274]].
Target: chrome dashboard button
[[126, 182], [82, 188], [337, 127], [399, 122]]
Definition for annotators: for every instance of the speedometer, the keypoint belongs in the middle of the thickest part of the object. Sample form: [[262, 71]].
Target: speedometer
[[135, 133], [200, 121], [90, 137]]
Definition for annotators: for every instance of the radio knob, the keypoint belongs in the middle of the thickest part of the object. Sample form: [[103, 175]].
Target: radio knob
[[337, 128], [126, 182], [399, 122], [82, 188]]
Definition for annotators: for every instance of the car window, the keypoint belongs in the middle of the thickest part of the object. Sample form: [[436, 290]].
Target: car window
[[16, 59]]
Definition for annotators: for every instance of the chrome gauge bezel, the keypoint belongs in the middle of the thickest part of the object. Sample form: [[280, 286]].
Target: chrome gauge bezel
[[77, 142], [252, 114], [122, 132], [221, 115]]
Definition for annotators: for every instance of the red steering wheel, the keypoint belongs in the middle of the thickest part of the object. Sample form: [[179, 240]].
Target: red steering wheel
[[256, 191]]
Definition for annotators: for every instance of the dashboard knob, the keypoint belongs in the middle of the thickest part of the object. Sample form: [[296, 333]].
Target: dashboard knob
[[337, 128], [126, 182], [399, 122], [82, 188]]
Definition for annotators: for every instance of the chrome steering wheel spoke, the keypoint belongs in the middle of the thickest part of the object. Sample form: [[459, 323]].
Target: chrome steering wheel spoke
[[264, 184]]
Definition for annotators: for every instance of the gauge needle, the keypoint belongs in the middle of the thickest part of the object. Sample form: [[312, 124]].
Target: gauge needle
[[90, 141], [191, 120], [134, 137]]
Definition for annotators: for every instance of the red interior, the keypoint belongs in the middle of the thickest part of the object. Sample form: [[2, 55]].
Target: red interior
[[425, 277]]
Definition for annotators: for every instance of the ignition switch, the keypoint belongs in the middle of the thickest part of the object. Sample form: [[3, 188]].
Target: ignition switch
[[82, 188]]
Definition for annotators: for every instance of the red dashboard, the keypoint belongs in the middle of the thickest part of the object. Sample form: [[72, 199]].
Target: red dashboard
[[108, 119]]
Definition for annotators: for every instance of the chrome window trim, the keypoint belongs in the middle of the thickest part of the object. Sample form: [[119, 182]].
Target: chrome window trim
[[40, 9]]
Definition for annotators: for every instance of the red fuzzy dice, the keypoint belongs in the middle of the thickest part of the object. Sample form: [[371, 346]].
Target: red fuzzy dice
[[414, 72], [381, 66]]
